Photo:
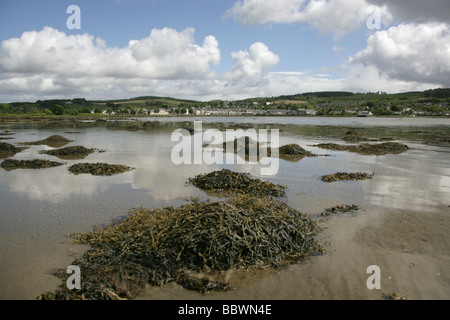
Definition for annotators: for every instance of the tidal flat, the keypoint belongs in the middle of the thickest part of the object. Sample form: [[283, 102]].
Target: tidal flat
[[400, 222]]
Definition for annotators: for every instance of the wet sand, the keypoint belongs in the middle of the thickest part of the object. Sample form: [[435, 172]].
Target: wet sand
[[411, 249]]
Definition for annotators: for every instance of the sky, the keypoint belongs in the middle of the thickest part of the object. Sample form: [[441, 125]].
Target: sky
[[220, 49]]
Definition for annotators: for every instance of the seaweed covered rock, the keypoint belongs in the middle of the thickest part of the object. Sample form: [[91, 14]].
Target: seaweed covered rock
[[438, 141], [380, 148], [11, 164], [347, 176], [8, 150], [54, 141], [227, 182], [100, 122], [7, 147], [98, 169], [72, 152], [247, 147], [185, 244], [344, 208], [352, 137], [148, 125], [293, 152], [368, 148]]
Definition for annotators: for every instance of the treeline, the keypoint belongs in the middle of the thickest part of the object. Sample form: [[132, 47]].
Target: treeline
[[443, 93], [48, 107], [329, 94], [319, 94]]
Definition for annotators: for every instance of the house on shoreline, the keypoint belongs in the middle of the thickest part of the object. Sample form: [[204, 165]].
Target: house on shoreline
[[365, 113]]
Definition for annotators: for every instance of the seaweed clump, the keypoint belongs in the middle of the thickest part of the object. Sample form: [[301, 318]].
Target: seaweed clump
[[228, 183], [54, 141], [379, 149], [344, 208], [347, 176], [293, 152], [193, 245], [248, 147], [8, 150], [397, 296], [72, 152], [98, 169], [11, 164]]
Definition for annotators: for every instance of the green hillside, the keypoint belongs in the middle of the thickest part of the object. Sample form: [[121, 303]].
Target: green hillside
[[430, 102]]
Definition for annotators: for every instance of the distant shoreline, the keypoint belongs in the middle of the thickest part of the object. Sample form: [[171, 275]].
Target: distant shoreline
[[44, 118]]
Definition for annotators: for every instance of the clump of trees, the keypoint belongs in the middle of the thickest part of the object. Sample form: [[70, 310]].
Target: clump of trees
[[441, 93]]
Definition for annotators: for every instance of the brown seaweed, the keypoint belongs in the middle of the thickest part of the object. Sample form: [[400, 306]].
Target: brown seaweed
[[293, 152], [195, 245], [12, 164], [98, 169], [346, 176], [367, 148], [397, 296], [70, 153], [247, 146], [54, 141], [344, 208], [8, 150], [226, 182]]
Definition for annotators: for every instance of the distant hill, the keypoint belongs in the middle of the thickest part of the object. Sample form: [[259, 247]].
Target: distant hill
[[429, 102], [329, 94], [146, 100]]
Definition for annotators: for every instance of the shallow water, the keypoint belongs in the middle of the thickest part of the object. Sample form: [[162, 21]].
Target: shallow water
[[402, 225]]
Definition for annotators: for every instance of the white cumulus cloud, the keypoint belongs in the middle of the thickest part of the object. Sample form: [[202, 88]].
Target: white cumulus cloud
[[165, 53], [264, 11], [49, 63], [340, 17], [410, 52], [329, 16], [252, 64]]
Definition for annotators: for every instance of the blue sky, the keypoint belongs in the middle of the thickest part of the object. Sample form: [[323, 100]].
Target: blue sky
[[226, 49]]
